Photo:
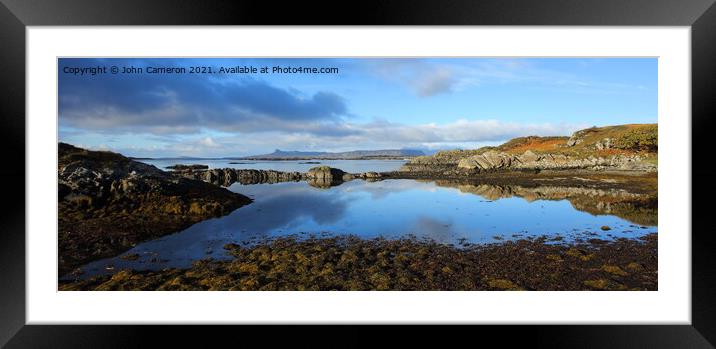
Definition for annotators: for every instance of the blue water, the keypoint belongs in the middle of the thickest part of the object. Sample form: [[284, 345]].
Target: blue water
[[350, 166], [389, 208]]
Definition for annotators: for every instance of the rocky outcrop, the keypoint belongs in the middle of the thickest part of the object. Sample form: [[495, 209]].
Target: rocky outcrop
[[181, 167], [441, 162], [489, 160], [325, 177], [325, 173], [227, 176], [320, 177], [529, 161], [493, 160], [107, 203]]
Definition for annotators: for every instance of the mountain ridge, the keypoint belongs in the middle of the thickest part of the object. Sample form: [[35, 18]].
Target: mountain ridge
[[353, 154]]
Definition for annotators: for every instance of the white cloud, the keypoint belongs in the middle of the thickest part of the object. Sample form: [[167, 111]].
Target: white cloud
[[208, 142]]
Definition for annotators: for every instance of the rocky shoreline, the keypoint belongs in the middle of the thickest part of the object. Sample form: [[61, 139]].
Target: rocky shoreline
[[324, 176], [492, 161], [351, 263], [108, 203], [625, 148], [321, 176]]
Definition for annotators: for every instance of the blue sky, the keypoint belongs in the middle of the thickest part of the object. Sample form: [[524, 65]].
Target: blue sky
[[440, 103]]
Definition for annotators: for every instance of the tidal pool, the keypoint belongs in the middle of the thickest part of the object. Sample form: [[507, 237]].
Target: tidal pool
[[447, 212]]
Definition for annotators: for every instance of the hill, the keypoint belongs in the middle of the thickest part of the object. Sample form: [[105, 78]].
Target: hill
[[621, 147], [349, 155]]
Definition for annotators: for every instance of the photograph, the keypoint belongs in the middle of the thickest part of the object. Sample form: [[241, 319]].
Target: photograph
[[357, 173], [482, 165]]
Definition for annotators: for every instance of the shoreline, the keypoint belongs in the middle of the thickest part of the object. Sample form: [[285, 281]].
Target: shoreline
[[352, 263]]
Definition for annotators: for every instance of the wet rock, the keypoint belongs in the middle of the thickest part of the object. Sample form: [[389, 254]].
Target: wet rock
[[227, 176], [635, 267], [605, 284], [130, 257], [502, 284], [613, 269], [182, 167], [554, 257]]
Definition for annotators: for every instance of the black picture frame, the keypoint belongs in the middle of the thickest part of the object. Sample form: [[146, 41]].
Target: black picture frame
[[16, 15]]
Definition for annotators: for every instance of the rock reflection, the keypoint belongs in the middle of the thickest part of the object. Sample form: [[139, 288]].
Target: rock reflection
[[322, 183], [637, 208]]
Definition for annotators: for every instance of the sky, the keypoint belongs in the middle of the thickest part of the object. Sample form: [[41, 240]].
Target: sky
[[359, 104]]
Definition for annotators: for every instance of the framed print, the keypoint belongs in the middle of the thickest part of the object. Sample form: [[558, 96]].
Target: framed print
[[476, 164]]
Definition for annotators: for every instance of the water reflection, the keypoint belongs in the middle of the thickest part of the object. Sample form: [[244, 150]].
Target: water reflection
[[324, 183], [448, 212], [638, 208]]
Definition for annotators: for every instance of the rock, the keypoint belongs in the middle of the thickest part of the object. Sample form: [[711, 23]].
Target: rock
[[604, 144], [181, 167], [502, 284], [228, 176], [613, 269], [324, 173], [578, 137], [635, 267], [529, 156], [490, 160], [493, 160], [324, 176], [130, 257], [572, 141]]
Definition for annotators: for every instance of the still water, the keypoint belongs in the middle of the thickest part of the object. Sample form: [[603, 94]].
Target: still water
[[440, 211], [350, 166]]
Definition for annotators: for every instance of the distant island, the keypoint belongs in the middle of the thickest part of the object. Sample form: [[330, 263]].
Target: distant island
[[388, 154], [348, 155]]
